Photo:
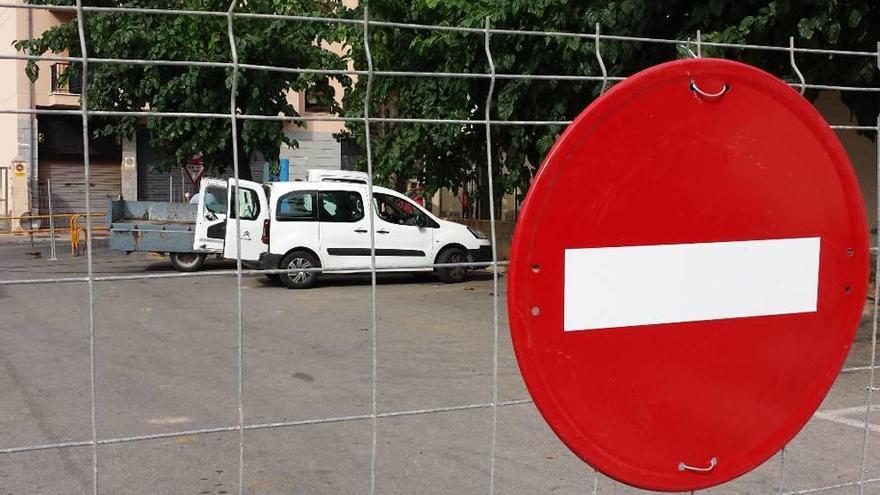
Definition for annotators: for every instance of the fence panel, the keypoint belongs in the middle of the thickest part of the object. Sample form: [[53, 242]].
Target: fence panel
[[98, 444]]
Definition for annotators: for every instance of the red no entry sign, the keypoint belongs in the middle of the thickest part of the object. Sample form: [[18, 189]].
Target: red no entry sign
[[687, 274]]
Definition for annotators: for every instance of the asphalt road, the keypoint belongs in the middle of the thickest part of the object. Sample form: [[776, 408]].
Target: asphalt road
[[166, 354]]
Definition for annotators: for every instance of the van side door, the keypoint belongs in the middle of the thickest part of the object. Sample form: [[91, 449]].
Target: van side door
[[344, 228], [210, 233], [404, 234], [249, 205]]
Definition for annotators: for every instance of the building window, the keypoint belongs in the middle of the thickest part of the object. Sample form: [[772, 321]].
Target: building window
[[318, 98], [64, 80]]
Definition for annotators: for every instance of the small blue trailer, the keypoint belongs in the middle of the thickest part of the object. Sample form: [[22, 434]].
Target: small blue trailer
[[157, 227]]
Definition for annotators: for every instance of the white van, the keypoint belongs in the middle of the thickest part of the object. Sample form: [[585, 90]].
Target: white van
[[324, 224]]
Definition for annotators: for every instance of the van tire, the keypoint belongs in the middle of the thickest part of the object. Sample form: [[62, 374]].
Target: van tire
[[453, 274], [299, 280], [187, 262]]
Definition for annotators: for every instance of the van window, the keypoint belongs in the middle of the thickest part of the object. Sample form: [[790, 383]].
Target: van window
[[296, 206], [396, 210], [248, 204], [340, 206], [215, 199]]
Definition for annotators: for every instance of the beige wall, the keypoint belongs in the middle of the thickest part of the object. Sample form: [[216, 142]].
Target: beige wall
[[14, 146], [43, 20], [17, 93], [8, 89], [297, 100]]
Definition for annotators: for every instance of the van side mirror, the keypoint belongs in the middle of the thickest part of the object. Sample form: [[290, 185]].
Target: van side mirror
[[421, 220]]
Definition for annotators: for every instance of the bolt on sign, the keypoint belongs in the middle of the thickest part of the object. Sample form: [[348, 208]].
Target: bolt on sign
[[688, 274]]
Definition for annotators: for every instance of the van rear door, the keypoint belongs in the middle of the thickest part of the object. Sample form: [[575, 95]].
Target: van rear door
[[211, 217], [251, 208]]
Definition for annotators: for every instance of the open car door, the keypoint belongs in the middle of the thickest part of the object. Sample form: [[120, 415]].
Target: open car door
[[211, 217], [251, 207]]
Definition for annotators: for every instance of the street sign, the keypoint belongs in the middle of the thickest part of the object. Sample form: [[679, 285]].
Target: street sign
[[195, 168], [687, 274]]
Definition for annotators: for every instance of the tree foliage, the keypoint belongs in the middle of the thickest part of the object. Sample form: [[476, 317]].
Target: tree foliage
[[443, 155], [198, 88]]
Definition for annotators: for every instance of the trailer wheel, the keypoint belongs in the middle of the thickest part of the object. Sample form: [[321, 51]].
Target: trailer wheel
[[187, 262]]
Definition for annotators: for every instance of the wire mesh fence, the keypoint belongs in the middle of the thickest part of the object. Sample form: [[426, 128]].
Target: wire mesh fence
[[695, 47]]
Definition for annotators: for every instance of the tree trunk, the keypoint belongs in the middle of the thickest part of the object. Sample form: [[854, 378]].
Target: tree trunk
[[483, 198], [400, 183], [244, 157]]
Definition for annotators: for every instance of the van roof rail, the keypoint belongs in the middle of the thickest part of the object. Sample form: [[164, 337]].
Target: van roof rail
[[323, 175]]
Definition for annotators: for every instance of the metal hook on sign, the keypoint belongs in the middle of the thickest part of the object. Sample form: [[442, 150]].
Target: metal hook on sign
[[710, 96], [794, 65], [712, 463], [601, 62], [687, 47]]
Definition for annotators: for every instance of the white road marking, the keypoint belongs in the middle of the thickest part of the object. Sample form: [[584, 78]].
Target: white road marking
[[171, 420], [675, 283], [845, 416]]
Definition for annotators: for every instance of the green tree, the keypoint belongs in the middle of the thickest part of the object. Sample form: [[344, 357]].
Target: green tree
[[447, 155], [191, 88]]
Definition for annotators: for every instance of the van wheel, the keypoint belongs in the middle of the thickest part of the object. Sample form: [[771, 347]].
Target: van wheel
[[187, 262], [452, 274], [303, 279]]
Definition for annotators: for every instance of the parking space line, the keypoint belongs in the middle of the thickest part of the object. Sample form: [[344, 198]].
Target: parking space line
[[841, 416]]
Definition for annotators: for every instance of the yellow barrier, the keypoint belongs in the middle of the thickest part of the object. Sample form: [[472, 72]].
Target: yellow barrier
[[76, 230], [77, 233], [42, 228]]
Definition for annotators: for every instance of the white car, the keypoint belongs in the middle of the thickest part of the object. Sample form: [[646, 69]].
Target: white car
[[309, 225]]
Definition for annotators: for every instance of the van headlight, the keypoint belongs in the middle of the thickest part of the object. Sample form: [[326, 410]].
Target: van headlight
[[476, 233]]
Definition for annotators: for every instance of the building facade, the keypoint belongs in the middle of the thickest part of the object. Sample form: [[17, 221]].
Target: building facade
[[36, 150]]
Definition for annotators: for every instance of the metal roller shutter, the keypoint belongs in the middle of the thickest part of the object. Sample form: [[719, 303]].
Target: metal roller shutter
[[68, 186], [157, 187]]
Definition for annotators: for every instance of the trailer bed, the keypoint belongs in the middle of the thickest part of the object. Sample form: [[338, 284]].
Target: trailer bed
[[152, 226]]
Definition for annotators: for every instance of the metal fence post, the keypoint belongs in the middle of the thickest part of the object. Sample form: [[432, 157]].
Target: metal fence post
[[4, 179], [489, 174], [52, 253]]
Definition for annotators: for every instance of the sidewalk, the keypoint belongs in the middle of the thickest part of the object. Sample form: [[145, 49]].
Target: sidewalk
[[21, 243]]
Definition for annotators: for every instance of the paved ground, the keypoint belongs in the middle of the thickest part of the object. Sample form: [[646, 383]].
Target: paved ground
[[166, 361]]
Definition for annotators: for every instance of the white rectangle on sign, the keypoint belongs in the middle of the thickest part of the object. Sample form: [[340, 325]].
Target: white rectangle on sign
[[643, 285]]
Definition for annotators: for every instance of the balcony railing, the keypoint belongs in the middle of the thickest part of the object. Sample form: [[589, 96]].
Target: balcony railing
[[65, 82]]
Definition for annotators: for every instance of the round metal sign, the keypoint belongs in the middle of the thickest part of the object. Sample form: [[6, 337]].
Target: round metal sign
[[687, 274]]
